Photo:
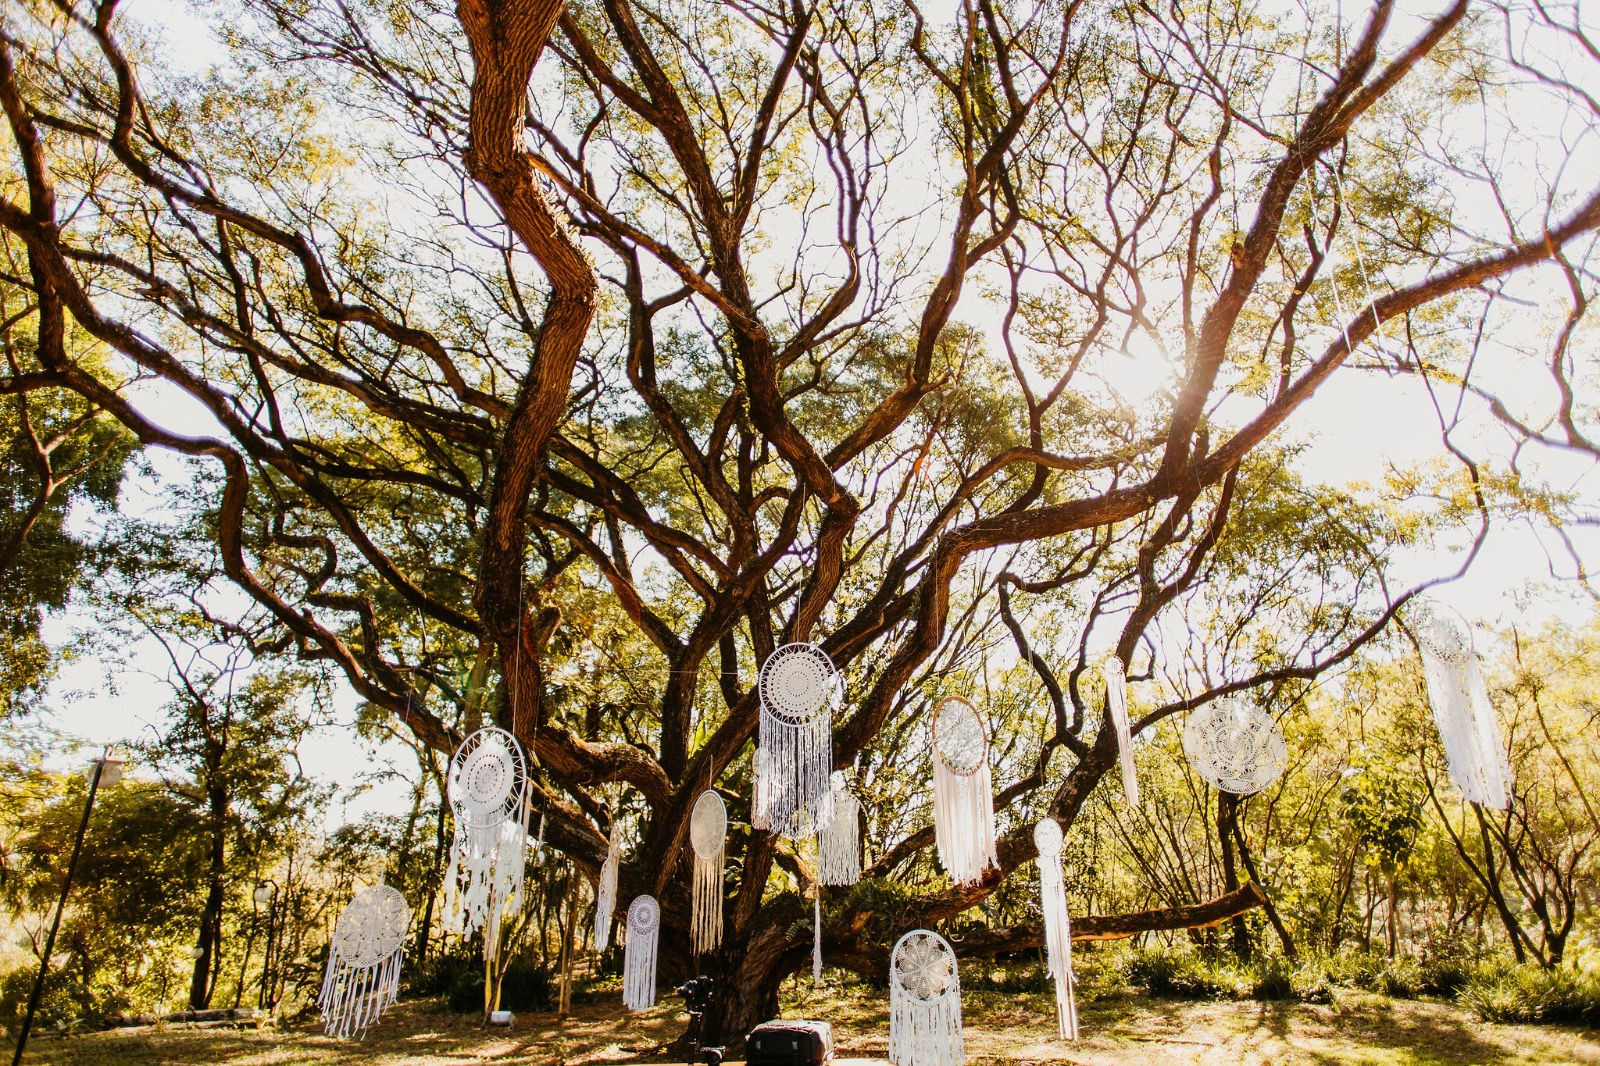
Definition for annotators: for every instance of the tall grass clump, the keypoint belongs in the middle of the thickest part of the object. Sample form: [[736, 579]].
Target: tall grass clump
[[1528, 994]]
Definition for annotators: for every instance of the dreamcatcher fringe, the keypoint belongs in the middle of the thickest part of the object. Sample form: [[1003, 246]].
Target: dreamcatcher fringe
[[1117, 703], [963, 820], [839, 841], [1469, 728], [793, 764], [605, 894], [925, 1032], [706, 912], [354, 997], [816, 939], [1058, 942], [639, 969], [484, 882]]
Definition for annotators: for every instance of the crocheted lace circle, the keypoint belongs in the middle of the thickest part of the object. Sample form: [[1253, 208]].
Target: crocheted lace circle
[[1235, 745], [959, 738], [798, 681], [372, 927]]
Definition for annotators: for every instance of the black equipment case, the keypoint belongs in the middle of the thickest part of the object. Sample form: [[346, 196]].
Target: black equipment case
[[789, 1043]]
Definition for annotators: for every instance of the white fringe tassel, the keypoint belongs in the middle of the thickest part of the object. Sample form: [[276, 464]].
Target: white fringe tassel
[[839, 841], [484, 882], [1117, 703], [639, 956], [355, 997], [925, 1032], [1467, 722], [605, 895], [1058, 942], [816, 940], [963, 820], [706, 922], [792, 767]]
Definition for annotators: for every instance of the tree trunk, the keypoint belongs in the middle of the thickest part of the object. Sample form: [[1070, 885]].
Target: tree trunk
[[568, 942], [201, 984], [1227, 829]]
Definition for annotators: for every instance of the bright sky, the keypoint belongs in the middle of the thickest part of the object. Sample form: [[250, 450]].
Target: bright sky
[[1356, 429]]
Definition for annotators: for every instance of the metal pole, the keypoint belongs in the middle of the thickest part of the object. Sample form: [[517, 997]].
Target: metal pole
[[266, 960], [50, 941]]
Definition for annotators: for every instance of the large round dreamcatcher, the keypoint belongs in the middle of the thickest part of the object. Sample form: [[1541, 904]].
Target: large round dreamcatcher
[[639, 955], [924, 1002], [799, 689], [1057, 927], [708, 834], [963, 791], [1235, 746], [489, 795], [363, 975], [1460, 702]]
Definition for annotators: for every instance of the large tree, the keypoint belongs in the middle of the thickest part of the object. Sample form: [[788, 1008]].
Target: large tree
[[558, 362]]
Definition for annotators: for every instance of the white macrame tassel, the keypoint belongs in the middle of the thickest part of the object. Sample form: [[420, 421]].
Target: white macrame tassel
[[639, 956], [1117, 703], [489, 795], [798, 688], [963, 802], [839, 840], [816, 939], [605, 894], [1057, 926], [924, 1002], [708, 834], [363, 976], [1461, 706]]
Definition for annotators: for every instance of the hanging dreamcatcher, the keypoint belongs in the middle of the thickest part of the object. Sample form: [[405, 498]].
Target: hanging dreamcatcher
[[363, 976], [1235, 746], [489, 796], [799, 688], [605, 893], [839, 839], [924, 1002], [1057, 926], [1461, 707], [708, 834], [639, 957], [1117, 703], [963, 792]]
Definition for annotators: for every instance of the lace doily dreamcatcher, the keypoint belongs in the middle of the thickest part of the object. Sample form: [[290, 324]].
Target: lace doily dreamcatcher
[[963, 792], [1235, 746], [1461, 707], [1116, 678], [489, 795], [363, 975], [708, 834], [1057, 926], [924, 1002], [639, 957], [799, 689]]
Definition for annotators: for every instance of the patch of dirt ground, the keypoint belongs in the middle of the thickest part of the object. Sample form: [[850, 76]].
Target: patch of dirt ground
[[1358, 1029]]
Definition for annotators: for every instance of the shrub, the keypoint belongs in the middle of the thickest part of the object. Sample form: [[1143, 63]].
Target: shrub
[[1182, 975], [1529, 994]]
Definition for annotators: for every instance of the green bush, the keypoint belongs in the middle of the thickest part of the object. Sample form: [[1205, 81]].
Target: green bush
[[1528, 994], [1183, 975]]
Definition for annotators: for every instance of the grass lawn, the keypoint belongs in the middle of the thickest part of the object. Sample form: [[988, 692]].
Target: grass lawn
[[1359, 1028]]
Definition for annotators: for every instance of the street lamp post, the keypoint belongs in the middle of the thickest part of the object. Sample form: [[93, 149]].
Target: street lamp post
[[107, 772], [266, 895]]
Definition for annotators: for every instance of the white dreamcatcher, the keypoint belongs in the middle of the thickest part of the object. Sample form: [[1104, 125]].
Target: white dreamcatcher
[[1235, 746], [799, 688], [708, 834], [924, 1002], [639, 957], [1461, 707], [363, 975], [1116, 678], [838, 857], [1057, 926], [489, 795], [605, 893], [963, 791]]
